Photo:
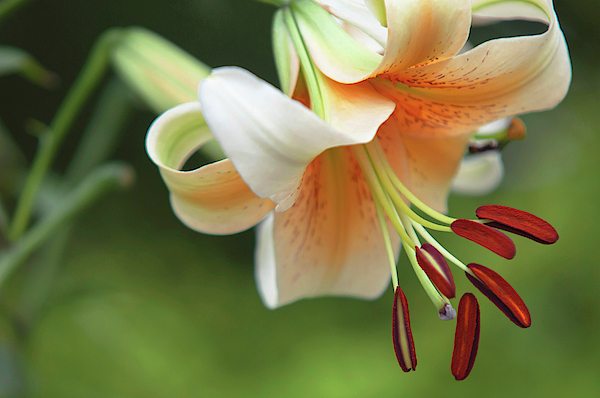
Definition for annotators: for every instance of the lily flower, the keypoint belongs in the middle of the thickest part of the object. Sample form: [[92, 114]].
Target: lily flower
[[333, 174]]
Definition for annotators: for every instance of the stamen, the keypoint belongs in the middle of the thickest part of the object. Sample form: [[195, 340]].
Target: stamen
[[377, 191], [519, 222], [387, 242], [501, 293], [466, 338], [406, 192], [438, 300], [423, 232], [383, 170], [485, 236], [404, 345], [436, 268]]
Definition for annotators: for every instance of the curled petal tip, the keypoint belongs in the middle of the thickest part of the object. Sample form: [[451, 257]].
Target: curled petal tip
[[519, 222], [485, 236], [501, 293], [404, 344], [466, 338], [435, 266]]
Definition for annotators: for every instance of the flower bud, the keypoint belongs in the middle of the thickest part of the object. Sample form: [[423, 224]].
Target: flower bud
[[161, 73]]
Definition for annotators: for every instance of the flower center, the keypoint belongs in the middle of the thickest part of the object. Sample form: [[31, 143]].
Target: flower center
[[392, 200]]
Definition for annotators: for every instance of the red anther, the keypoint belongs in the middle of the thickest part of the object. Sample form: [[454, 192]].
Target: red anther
[[485, 236], [466, 338], [435, 266], [501, 293], [404, 344], [519, 222]]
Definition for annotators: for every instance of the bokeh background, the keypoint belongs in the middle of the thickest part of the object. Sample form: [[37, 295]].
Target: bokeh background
[[140, 306]]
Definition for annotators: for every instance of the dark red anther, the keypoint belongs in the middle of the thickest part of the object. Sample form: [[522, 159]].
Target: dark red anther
[[485, 236], [466, 338], [404, 344], [519, 222], [501, 293], [435, 266]]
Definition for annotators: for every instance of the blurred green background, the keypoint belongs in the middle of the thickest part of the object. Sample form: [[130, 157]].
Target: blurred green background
[[143, 307]]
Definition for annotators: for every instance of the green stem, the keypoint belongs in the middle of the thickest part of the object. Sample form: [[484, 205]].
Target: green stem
[[103, 179], [8, 6], [88, 79], [311, 73], [100, 138]]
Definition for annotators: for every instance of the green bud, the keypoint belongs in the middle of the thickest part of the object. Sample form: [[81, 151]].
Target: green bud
[[161, 73]]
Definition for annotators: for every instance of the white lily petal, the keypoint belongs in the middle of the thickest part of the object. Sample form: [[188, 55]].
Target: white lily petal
[[332, 49], [494, 127], [423, 31], [491, 11], [213, 198], [419, 32], [270, 138], [362, 38], [377, 8], [356, 13], [328, 243], [479, 174]]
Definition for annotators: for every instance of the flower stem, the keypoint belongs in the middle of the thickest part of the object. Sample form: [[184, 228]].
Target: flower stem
[[88, 79], [98, 182]]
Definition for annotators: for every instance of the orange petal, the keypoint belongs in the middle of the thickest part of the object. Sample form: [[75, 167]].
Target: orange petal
[[466, 338], [496, 79], [500, 293], [329, 242], [433, 162]]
